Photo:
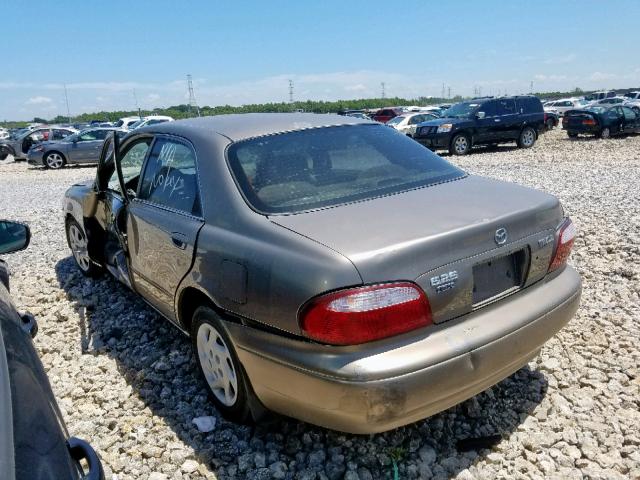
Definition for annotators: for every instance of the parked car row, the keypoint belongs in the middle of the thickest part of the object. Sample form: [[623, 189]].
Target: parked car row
[[602, 121]]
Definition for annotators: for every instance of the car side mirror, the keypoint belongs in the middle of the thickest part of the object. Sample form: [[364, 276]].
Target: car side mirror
[[480, 115], [14, 236]]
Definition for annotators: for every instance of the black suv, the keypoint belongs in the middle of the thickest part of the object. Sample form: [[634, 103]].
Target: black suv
[[484, 121]]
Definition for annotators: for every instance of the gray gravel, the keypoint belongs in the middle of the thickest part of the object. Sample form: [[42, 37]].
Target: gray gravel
[[125, 379]]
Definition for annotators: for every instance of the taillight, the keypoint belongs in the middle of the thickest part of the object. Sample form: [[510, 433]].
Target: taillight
[[589, 121], [363, 314], [564, 243]]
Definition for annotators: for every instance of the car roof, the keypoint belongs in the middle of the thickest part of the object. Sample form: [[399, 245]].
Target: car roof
[[248, 125]]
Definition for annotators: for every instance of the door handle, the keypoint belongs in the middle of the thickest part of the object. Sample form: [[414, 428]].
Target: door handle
[[179, 240], [496, 119]]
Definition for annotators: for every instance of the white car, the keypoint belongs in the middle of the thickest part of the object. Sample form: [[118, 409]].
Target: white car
[[126, 122], [4, 134], [151, 120], [601, 95], [607, 102], [563, 105], [407, 122]]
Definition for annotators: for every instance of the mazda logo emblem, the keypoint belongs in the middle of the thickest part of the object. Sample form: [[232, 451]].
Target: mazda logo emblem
[[501, 236]]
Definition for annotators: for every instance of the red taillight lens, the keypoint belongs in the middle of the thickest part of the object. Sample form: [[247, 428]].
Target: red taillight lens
[[564, 244], [363, 314], [589, 121]]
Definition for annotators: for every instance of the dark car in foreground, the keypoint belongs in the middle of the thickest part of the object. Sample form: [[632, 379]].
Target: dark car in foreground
[[34, 443], [326, 267], [484, 121], [601, 121], [80, 148]]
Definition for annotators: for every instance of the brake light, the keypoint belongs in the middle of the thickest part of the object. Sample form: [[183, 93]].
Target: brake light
[[564, 243], [363, 314], [589, 121]]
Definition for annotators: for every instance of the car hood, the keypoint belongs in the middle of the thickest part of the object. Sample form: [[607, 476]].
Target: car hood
[[405, 235]]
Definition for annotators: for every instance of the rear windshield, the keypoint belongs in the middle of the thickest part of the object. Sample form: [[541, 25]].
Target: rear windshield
[[307, 169]]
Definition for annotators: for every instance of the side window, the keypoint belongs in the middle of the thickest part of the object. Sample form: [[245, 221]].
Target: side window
[[170, 177], [613, 113], [131, 164], [60, 134], [88, 136], [101, 134], [505, 107], [489, 109], [629, 114]]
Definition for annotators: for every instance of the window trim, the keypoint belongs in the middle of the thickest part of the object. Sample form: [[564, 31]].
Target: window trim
[[127, 146], [188, 144]]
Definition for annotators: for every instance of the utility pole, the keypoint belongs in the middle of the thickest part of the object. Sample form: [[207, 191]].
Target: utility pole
[[531, 87], [442, 96], [479, 91], [290, 91], [449, 92], [192, 96], [384, 95], [135, 98], [66, 98]]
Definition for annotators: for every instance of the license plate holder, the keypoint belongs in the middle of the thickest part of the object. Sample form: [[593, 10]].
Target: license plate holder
[[497, 277]]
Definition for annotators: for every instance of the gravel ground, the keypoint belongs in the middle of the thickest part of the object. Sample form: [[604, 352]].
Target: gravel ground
[[126, 381]]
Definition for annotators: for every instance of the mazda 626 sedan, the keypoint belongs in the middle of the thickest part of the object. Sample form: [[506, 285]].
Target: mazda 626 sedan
[[327, 267]]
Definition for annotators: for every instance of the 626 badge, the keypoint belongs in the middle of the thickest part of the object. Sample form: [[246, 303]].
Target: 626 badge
[[445, 281]]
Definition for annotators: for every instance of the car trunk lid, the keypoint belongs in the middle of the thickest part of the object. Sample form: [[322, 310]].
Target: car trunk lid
[[458, 240]]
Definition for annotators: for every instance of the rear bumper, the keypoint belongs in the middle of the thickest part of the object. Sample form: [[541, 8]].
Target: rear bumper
[[376, 387], [34, 159], [590, 129]]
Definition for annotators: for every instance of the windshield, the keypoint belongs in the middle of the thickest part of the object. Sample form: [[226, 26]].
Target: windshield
[[461, 110], [136, 124], [395, 120], [320, 167]]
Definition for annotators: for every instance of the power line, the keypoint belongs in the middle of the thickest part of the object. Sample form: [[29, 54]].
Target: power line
[[192, 96], [66, 98]]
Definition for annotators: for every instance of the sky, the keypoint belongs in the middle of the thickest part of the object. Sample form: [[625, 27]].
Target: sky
[[118, 55]]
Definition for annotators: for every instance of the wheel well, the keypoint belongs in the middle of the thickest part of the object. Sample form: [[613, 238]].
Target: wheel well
[[190, 299]]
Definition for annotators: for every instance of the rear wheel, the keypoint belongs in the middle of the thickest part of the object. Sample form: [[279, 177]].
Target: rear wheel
[[54, 160], [572, 134], [79, 245], [460, 144], [527, 138], [605, 133], [226, 380], [550, 123], [4, 153]]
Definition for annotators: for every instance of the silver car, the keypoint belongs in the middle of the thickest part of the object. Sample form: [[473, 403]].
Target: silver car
[[326, 267], [79, 148], [19, 145]]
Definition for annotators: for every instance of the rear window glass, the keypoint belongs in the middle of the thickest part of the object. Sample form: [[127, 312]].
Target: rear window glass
[[302, 170]]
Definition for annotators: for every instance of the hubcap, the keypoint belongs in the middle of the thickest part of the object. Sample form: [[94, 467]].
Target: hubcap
[[79, 247], [54, 160], [527, 138], [461, 145], [216, 363]]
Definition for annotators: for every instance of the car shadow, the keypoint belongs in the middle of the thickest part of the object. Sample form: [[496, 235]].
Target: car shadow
[[479, 150], [66, 167], [156, 361]]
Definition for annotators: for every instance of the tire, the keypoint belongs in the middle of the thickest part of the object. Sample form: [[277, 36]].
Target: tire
[[527, 138], [78, 243], [605, 133], [222, 372], [460, 144], [54, 160], [572, 135], [4, 153], [550, 124]]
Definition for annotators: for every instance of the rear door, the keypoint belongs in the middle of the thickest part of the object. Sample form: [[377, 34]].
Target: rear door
[[163, 222], [630, 120]]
